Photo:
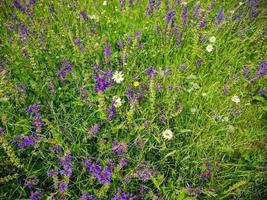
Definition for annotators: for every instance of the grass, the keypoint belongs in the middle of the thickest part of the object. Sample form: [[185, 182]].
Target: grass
[[212, 135]]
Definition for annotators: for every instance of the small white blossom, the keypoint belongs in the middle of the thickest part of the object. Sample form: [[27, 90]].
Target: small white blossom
[[235, 99], [204, 94], [118, 77], [117, 101], [209, 48], [212, 39], [105, 3], [167, 134]]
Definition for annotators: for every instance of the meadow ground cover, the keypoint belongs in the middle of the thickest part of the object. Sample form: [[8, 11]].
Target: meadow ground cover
[[136, 99]]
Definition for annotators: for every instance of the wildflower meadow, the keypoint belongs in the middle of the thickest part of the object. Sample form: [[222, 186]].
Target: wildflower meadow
[[133, 99]]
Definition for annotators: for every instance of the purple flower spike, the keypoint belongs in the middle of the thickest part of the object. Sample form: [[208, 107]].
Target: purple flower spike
[[62, 186], [220, 15], [185, 14], [84, 16], [33, 109], [36, 195], [151, 72], [86, 196], [104, 177], [262, 92], [119, 148], [31, 182], [169, 16], [107, 52]]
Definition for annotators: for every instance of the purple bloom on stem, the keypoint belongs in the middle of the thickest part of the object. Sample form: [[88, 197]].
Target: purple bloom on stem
[[198, 63], [122, 4], [225, 90], [144, 172], [196, 10], [111, 112], [36, 195], [21, 87], [123, 162], [170, 15], [65, 68], [94, 129], [86, 196], [131, 3], [52, 172], [31, 182], [26, 141], [2, 130], [202, 24], [93, 166], [220, 15], [32, 2], [67, 170], [33, 109], [245, 71], [96, 68], [182, 67], [120, 43], [38, 122], [119, 148], [101, 83], [151, 72], [185, 14], [17, 5], [150, 7], [262, 71], [262, 92], [84, 16], [205, 176], [107, 52], [76, 41], [104, 177], [62, 186]]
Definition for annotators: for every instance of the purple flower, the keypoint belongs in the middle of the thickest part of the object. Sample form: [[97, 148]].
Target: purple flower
[[151, 72], [123, 196], [21, 87], [220, 15], [225, 90], [123, 162], [262, 92], [104, 177], [76, 41], [52, 172], [67, 170], [169, 16], [252, 5], [202, 23], [33, 109], [150, 7], [205, 176], [32, 2], [86, 196], [120, 43], [65, 68], [182, 67], [31, 182], [111, 111], [159, 87], [185, 14], [62, 186], [107, 52], [131, 3], [101, 83], [245, 71], [26, 141], [198, 63], [94, 129], [83, 93], [84, 16], [262, 71], [36, 195], [196, 10], [17, 5], [144, 172], [38, 122], [93, 166], [122, 4], [119, 148], [2, 130], [96, 68], [65, 160]]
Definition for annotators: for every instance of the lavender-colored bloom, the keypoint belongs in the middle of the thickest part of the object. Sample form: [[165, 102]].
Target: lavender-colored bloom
[[159, 87], [94, 129], [107, 52], [55, 149], [158, 4], [67, 170], [38, 122], [96, 68], [262, 92], [33, 109], [220, 15], [123, 162], [169, 16], [208, 165], [65, 68], [101, 83], [131, 3], [150, 7], [144, 172], [17, 5], [2, 130], [185, 14], [205, 176], [86, 196], [123, 196], [151, 72], [182, 67], [83, 93], [111, 164], [262, 71], [137, 34], [179, 2], [196, 10], [31, 182], [198, 63], [21, 87], [26, 141], [36, 195], [104, 177], [119, 148], [84, 15], [32, 2], [245, 71], [252, 5], [194, 191], [93, 166], [111, 111], [211, 5], [62, 186], [120, 43], [52, 172], [76, 41], [167, 72], [65, 160], [202, 23]]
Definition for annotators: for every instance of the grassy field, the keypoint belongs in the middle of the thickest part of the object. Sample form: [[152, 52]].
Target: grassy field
[[133, 99]]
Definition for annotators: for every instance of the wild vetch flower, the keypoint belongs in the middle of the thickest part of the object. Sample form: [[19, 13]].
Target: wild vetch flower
[[202, 23], [262, 71], [212, 39], [83, 93], [205, 176], [93, 166], [62, 186], [107, 52], [209, 48], [65, 68], [26, 141], [131, 3], [118, 77], [198, 63], [67, 170], [102, 83], [65, 160], [18, 5], [104, 177], [36, 195], [220, 15], [38, 122], [144, 172], [194, 191], [169, 16], [151, 72], [167, 134], [31, 182], [94, 130], [123, 162], [150, 7], [86, 196], [123, 196], [76, 41], [262, 92], [235, 99], [96, 68], [245, 71], [211, 5], [2, 130], [111, 111], [21, 87], [119, 148], [185, 14], [52, 172], [33, 109], [55, 149], [182, 67], [122, 4], [196, 10], [84, 16]]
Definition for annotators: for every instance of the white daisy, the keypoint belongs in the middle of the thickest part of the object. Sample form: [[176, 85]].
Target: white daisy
[[209, 48], [235, 99], [118, 77], [212, 39], [167, 134], [117, 101]]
